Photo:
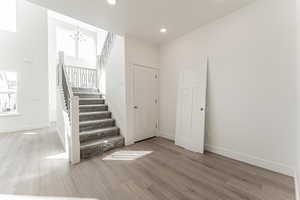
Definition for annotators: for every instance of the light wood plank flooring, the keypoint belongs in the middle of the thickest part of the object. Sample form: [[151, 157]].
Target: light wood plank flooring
[[30, 165]]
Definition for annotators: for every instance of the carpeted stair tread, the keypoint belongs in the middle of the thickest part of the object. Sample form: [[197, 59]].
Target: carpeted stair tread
[[96, 124], [89, 98], [97, 129], [95, 121], [91, 93], [93, 100], [93, 113], [93, 108], [88, 94], [107, 140], [92, 105], [98, 147], [93, 90], [99, 133]]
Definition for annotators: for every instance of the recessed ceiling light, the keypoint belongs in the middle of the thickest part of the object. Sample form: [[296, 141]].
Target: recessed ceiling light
[[163, 30], [112, 2]]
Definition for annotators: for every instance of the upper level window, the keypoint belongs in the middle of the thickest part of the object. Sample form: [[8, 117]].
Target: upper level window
[[8, 92], [8, 15], [79, 45]]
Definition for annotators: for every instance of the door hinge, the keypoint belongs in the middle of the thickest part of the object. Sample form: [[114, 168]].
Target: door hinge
[[156, 125], [156, 76], [156, 101]]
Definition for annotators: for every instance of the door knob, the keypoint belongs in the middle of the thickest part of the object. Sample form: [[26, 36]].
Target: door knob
[[201, 109], [135, 107]]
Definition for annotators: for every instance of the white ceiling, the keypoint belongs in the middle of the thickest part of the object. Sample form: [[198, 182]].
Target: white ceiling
[[144, 18]]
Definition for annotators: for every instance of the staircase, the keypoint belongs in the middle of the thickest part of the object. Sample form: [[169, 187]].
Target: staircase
[[84, 122], [97, 130]]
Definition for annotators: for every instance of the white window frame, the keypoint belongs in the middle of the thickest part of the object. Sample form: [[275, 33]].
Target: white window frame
[[16, 112], [10, 17], [76, 61]]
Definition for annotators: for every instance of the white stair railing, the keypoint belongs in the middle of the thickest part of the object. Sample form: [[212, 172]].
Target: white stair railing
[[81, 77], [72, 107]]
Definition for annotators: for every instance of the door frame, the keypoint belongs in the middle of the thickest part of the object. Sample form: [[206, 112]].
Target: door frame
[[130, 100]]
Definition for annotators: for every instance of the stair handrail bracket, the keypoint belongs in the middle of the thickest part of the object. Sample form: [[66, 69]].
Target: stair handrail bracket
[[72, 107]]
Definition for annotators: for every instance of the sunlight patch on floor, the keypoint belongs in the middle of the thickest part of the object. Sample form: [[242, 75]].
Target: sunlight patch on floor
[[30, 133], [60, 156], [127, 155], [21, 197]]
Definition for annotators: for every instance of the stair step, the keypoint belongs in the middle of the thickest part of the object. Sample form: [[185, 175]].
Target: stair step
[[93, 108], [96, 124], [99, 133], [87, 101], [93, 90], [88, 94], [84, 116], [98, 147]]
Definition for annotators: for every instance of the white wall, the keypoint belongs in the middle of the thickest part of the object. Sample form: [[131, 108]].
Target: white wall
[[126, 51], [115, 84], [138, 52], [251, 83], [52, 67], [26, 53], [141, 52], [297, 171], [62, 124]]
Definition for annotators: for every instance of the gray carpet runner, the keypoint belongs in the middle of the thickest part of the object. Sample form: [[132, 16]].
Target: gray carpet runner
[[98, 132]]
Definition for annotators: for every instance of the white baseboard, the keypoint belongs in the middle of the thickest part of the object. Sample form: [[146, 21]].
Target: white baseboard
[[52, 124], [166, 135], [296, 178], [128, 142], [25, 128], [270, 165]]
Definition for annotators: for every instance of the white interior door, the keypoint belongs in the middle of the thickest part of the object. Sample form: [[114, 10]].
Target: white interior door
[[190, 121], [145, 100]]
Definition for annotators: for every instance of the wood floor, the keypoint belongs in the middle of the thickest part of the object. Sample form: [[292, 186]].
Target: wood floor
[[30, 164]]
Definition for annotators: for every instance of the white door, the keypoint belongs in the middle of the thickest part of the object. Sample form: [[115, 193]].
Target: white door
[[190, 121], [145, 102]]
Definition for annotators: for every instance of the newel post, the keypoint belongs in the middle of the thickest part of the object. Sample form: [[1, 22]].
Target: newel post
[[61, 61], [75, 141]]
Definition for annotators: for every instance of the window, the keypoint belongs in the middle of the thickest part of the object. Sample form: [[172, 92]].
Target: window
[[65, 42], [79, 45], [8, 92], [8, 15], [87, 49]]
